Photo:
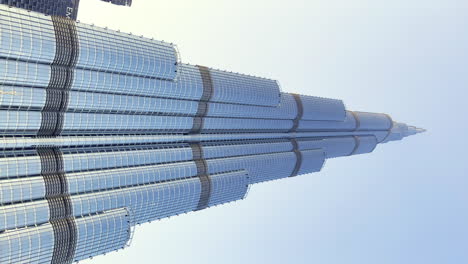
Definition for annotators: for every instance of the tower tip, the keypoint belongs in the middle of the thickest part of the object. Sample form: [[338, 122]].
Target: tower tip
[[402, 130], [415, 130]]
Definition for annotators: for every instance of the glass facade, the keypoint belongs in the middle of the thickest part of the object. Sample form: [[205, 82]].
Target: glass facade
[[119, 2], [102, 130], [63, 8], [95, 235]]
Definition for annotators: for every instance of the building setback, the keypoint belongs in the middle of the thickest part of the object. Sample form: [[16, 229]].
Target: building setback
[[102, 130]]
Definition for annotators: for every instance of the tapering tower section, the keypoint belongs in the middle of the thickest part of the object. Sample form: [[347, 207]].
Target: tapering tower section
[[102, 130]]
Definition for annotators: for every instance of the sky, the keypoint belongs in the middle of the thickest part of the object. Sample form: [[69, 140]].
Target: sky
[[404, 203]]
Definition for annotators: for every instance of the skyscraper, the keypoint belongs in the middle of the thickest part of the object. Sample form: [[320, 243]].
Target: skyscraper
[[102, 130], [63, 8]]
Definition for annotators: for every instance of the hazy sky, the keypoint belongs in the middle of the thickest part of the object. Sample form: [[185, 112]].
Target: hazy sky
[[405, 203]]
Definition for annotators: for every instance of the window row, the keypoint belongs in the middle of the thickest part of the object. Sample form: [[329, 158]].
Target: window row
[[146, 203], [99, 49], [97, 159], [34, 99], [30, 123], [95, 235], [241, 90]]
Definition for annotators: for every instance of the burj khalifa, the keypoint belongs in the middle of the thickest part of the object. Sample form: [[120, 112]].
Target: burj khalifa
[[102, 130]]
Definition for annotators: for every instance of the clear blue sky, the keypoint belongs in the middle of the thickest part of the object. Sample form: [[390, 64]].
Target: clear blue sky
[[405, 203]]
